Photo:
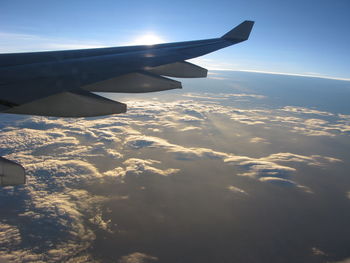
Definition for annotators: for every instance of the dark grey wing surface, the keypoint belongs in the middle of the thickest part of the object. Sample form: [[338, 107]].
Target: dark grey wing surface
[[60, 83]]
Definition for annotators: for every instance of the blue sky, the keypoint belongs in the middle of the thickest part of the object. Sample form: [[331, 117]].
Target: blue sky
[[298, 37]]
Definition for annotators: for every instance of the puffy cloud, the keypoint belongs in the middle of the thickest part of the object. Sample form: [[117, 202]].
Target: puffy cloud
[[24, 139], [61, 214], [116, 172], [9, 235], [98, 220]]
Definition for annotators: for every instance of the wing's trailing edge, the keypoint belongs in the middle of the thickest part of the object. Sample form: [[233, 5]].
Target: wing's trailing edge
[[137, 82], [240, 32], [71, 104], [181, 69]]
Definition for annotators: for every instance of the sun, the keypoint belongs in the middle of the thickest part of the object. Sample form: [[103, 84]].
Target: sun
[[148, 39]]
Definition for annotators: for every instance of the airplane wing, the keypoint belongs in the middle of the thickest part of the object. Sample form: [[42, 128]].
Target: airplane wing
[[60, 83]]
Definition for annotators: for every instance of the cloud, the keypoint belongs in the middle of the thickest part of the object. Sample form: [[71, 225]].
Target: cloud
[[318, 252], [66, 158], [137, 257], [346, 260], [259, 140], [205, 105], [139, 166], [98, 220], [183, 153], [9, 235], [65, 235], [190, 128], [284, 182], [236, 190], [303, 110], [253, 167]]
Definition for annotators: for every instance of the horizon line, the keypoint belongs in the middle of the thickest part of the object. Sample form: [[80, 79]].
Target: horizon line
[[283, 73]]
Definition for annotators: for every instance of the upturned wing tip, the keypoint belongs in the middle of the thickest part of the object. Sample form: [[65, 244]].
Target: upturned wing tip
[[240, 32]]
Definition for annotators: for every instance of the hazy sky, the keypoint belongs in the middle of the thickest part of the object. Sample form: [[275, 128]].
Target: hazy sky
[[302, 37]]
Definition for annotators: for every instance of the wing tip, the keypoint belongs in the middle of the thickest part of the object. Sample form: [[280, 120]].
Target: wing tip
[[240, 32]]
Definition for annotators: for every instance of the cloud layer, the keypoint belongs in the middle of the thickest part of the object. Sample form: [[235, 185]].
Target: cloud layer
[[68, 159]]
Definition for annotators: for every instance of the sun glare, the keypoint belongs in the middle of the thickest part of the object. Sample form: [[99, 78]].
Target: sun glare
[[148, 39]]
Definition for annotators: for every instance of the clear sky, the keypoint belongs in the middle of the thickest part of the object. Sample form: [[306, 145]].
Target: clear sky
[[298, 37]]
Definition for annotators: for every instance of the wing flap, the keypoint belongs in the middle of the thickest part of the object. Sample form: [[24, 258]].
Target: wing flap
[[180, 70], [70, 104], [137, 82], [11, 173]]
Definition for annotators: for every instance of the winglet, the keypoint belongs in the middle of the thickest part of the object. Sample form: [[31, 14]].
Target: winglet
[[240, 32]]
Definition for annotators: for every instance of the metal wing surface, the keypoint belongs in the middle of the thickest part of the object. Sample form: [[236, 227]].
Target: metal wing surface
[[59, 83]]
